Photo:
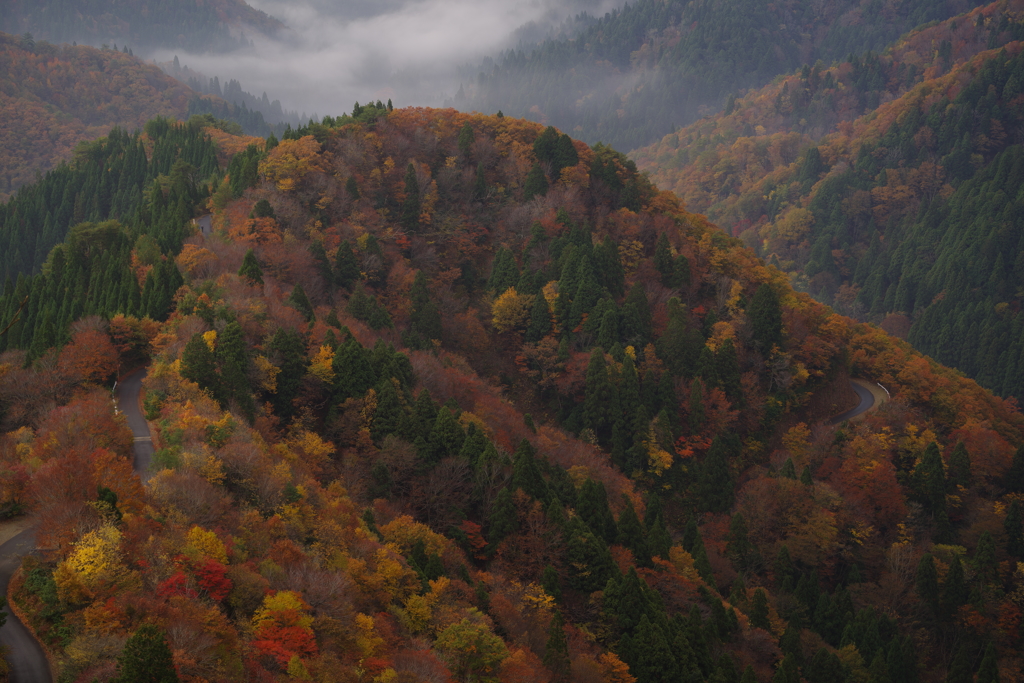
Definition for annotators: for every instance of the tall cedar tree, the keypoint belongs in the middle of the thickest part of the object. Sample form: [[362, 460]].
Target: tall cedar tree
[[146, 658], [536, 183], [765, 316], [346, 266], [556, 652], [251, 270]]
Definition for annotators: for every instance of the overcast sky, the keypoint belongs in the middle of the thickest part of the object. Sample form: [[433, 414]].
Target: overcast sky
[[342, 51]]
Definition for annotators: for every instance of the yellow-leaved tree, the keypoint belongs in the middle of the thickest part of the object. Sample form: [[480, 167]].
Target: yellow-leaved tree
[[96, 560], [510, 310]]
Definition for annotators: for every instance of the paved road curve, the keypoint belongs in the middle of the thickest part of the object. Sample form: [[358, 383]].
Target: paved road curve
[[128, 401], [869, 396], [24, 655]]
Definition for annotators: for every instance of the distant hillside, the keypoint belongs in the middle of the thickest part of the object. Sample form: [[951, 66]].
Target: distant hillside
[[886, 185], [636, 74], [53, 97], [195, 25]]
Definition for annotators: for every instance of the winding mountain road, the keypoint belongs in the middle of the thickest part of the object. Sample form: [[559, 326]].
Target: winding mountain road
[[870, 396], [128, 390], [25, 657]]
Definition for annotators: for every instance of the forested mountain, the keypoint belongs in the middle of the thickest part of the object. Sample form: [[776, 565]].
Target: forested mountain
[[639, 73], [906, 213], [54, 97], [455, 397], [194, 25]]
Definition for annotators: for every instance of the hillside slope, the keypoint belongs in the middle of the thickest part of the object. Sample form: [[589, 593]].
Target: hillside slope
[[636, 74], [894, 212], [454, 397], [54, 97], [208, 26]]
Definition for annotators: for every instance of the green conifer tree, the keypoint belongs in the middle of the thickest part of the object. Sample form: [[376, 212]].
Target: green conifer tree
[[1013, 524], [502, 521], [715, 483], [526, 473], [765, 316], [251, 270], [504, 271], [540, 320], [1014, 480], [632, 534], [536, 184], [466, 140], [959, 473], [346, 266], [988, 671], [556, 651], [301, 303], [199, 366], [738, 548], [589, 562], [146, 658], [759, 610], [928, 583]]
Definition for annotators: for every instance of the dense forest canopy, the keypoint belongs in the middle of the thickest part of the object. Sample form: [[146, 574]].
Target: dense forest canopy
[[456, 397], [886, 185], [640, 72]]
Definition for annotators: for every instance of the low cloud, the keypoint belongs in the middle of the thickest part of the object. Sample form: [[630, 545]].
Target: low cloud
[[336, 53]]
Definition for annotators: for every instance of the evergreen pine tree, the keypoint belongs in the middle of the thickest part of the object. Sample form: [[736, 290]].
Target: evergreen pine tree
[[600, 404], [954, 589], [652, 660], [540, 320], [765, 316], [959, 473], [738, 547], [251, 270], [551, 584], [504, 271], [632, 534], [556, 652], [289, 352], [696, 416], [466, 140], [198, 365], [658, 539], [928, 583], [446, 436], [960, 668], [502, 520], [526, 473], [352, 188], [715, 485], [1013, 524], [988, 671], [300, 302], [759, 610], [536, 184], [346, 266], [1014, 480], [985, 558], [728, 369], [590, 564], [788, 470], [146, 658]]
